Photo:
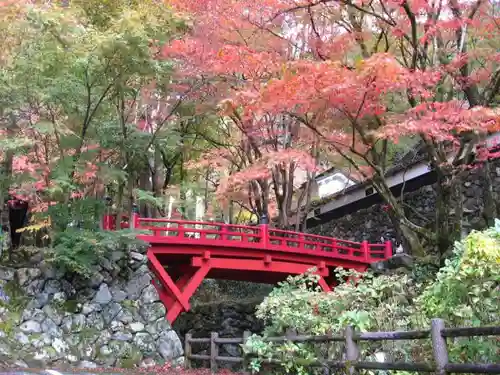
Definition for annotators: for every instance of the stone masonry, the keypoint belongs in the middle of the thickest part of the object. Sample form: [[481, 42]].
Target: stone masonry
[[113, 319]]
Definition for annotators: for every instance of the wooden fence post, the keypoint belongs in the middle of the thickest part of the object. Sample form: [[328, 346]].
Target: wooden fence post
[[187, 350], [439, 347], [214, 351], [246, 335], [352, 351]]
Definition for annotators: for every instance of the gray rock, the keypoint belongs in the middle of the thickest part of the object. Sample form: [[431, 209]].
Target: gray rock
[[137, 284], [95, 321], [169, 346], [52, 287], [161, 325], [66, 324], [35, 314], [87, 364], [96, 280], [59, 345], [103, 296], [118, 295], [126, 316], [26, 275], [137, 256], [5, 349], [60, 297], [152, 312], [107, 264], [78, 323], [33, 288], [122, 336], [147, 362], [116, 326], [50, 327], [111, 311], [105, 351], [73, 339], [117, 255], [232, 350], [149, 295], [42, 355], [31, 326], [22, 338], [52, 314], [103, 338], [49, 271], [21, 364], [42, 299], [90, 307], [120, 348], [145, 342], [7, 274], [136, 327]]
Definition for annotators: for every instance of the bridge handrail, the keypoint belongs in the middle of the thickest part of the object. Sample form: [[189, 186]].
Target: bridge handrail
[[204, 223], [316, 236], [263, 236]]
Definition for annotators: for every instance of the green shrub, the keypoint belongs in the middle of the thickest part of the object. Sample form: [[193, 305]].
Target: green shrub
[[465, 292], [80, 250]]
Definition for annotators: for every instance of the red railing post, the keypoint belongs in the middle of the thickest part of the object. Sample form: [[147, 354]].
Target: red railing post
[[264, 230], [365, 249], [223, 231], [388, 249], [264, 233], [107, 219], [302, 238], [133, 222]]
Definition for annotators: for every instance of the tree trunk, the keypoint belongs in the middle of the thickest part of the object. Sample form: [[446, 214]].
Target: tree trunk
[[145, 209], [158, 179], [5, 178], [449, 213], [409, 232], [443, 206], [490, 209]]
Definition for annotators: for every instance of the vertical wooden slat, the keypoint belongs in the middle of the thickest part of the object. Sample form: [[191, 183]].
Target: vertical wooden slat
[[214, 351], [352, 351], [439, 347], [246, 363], [187, 350]]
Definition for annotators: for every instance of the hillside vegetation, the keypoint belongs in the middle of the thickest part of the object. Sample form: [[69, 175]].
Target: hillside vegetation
[[465, 292]]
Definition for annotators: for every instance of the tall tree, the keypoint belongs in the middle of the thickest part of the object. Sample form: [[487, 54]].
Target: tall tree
[[88, 96], [359, 75]]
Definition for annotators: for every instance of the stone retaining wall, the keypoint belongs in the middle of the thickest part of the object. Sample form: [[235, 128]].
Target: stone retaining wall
[[113, 319]]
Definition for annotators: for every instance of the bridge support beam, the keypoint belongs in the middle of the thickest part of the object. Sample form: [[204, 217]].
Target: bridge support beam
[[175, 295], [266, 264]]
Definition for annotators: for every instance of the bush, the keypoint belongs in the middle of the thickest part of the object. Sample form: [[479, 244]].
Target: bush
[[80, 250], [465, 292]]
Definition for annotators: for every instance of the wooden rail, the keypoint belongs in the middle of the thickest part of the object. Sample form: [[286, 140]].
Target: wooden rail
[[437, 333]]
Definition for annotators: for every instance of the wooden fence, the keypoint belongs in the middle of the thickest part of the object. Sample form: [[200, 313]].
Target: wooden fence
[[437, 333]]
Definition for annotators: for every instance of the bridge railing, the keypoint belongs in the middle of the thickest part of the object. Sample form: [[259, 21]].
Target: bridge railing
[[262, 236]]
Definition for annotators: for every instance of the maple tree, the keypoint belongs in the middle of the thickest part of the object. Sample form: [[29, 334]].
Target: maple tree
[[263, 95], [87, 109], [359, 76]]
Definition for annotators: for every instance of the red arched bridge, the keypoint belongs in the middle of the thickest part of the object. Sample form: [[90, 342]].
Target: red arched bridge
[[183, 253]]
